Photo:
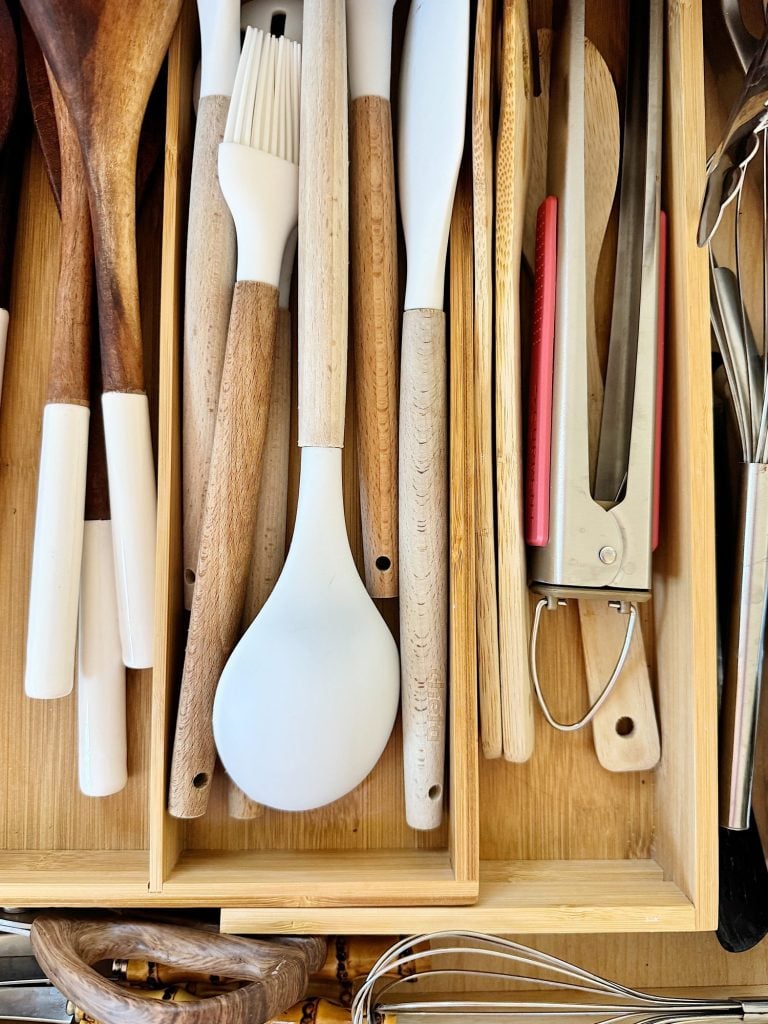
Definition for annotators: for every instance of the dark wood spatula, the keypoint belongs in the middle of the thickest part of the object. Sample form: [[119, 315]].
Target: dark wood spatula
[[105, 56]]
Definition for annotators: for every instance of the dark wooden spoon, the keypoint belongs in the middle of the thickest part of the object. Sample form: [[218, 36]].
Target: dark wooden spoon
[[105, 56], [9, 165]]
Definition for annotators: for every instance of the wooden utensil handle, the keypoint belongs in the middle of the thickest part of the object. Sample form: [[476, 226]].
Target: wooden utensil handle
[[423, 562], [66, 946], [226, 538], [374, 322], [210, 279], [323, 227]]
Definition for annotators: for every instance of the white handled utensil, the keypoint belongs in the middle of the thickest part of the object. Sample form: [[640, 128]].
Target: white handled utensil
[[433, 97], [318, 659]]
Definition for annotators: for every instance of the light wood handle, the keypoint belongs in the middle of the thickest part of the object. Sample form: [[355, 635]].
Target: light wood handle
[[423, 562], [210, 279], [489, 679], [512, 165], [323, 227], [625, 731], [269, 534], [226, 538], [66, 946], [374, 321]]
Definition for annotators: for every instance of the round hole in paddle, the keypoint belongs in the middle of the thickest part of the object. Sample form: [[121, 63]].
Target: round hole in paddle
[[189, 577], [200, 780], [625, 726], [383, 564], [435, 792]]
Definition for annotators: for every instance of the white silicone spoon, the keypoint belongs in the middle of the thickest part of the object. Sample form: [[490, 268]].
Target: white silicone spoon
[[318, 661]]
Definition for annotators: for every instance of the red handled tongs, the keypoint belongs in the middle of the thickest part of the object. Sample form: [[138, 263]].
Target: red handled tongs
[[593, 539]]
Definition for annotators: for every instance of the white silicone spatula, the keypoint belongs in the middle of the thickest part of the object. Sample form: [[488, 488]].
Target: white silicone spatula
[[433, 98], [318, 660]]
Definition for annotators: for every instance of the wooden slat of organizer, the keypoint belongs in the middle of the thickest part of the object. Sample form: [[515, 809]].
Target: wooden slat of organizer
[[556, 844]]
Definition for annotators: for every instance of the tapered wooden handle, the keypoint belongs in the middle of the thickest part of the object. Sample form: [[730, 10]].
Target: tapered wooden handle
[[210, 279], [226, 538], [269, 534], [512, 166], [66, 946], [323, 227], [423, 562], [374, 321]]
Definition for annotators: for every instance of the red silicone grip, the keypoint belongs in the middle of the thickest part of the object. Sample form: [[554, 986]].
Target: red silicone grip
[[659, 379], [541, 377]]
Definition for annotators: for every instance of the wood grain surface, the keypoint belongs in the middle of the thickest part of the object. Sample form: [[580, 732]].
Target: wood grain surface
[[489, 680], [375, 331], [512, 176], [105, 58], [68, 380], [210, 279], [67, 945], [226, 539], [424, 558], [324, 229]]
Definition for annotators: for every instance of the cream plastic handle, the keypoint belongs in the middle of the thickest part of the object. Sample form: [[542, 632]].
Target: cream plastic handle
[[133, 500], [54, 587], [3, 342], [102, 742]]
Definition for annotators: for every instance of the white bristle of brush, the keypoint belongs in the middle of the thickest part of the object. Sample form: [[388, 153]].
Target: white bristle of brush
[[264, 112]]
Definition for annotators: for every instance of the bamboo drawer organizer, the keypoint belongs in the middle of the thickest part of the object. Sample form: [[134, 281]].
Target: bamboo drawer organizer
[[557, 844]]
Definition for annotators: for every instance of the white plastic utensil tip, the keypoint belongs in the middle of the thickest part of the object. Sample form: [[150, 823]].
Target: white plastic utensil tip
[[133, 500], [220, 39], [3, 342], [102, 743], [55, 582], [318, 664], [369, 47]]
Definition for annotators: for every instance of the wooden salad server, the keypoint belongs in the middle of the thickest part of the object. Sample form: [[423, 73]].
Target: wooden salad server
[[105, 57]]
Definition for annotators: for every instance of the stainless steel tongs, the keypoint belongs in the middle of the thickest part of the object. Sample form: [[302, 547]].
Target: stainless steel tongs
[[595, 541]]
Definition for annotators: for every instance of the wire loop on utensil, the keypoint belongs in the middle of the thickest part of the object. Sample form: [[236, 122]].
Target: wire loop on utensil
[[546, 602]]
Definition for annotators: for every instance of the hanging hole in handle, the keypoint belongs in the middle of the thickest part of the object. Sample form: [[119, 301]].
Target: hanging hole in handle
[[383, 563], [625, 726], [277, 25], [189, 577], [435, 792], [200, 780]]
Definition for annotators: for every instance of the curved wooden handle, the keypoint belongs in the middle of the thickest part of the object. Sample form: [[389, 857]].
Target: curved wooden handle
[[323, 227], [226, 538], [512, 166], [210, 279], [66, 947], [423, 562], [68, 377], [373, 276]]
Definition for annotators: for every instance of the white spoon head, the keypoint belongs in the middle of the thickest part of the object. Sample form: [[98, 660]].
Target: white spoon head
[[307, 701]]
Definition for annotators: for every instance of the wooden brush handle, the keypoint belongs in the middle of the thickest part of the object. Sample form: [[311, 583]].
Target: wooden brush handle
[[269, 535], [512, 165], [424, 561], [229, 518], [489, 680], [210, 279], [374, 322], [323, 227], [66, 946]]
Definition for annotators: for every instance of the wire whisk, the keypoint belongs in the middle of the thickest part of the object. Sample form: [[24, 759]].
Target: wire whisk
[[500, 959]]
